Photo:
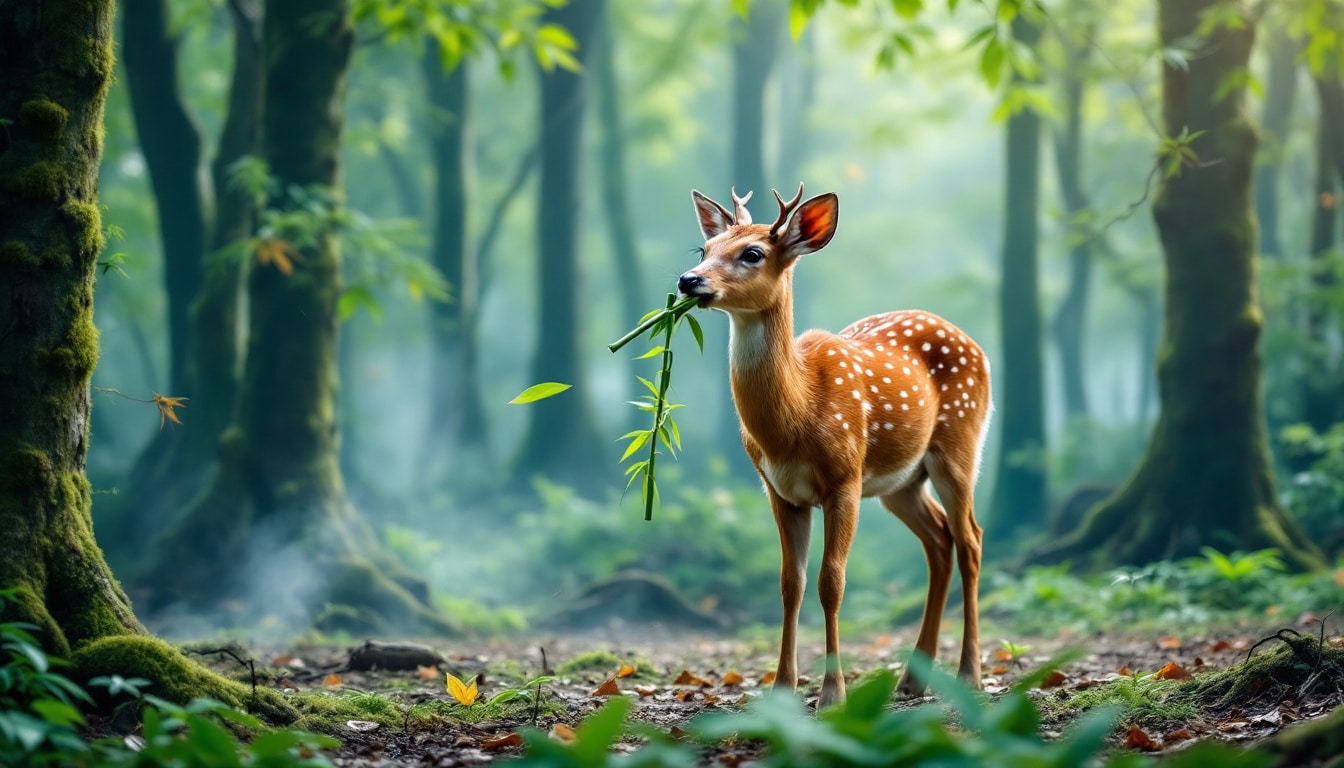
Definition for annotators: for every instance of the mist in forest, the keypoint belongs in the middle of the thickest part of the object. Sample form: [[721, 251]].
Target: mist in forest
[[502, 223]]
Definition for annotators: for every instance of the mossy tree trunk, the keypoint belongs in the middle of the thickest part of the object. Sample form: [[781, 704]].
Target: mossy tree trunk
[[1206, 478], [200, 213], [562, 442], [1070, 321], [1019, 502], [274, 533], [57, 60], [457, 414]]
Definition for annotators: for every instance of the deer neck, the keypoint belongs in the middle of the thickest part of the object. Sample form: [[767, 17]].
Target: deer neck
[[767, 373]]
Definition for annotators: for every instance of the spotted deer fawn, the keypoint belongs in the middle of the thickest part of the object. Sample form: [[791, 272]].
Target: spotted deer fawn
[[890, 402]]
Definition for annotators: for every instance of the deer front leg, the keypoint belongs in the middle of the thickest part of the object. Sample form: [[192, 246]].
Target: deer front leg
[[842, 518], [795, 534]]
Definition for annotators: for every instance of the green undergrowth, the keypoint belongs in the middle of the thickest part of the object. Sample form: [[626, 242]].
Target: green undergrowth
[[1141, 700], [605, 662]]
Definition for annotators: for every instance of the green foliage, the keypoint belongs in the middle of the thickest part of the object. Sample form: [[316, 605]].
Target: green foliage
[[865, 731], [466, 28], [1315, 496], [40, 720]]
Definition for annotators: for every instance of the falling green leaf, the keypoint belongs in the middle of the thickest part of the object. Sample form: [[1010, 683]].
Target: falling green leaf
[[539, 392]]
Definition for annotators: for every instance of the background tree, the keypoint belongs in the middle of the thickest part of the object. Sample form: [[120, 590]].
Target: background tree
[[59, 63], [277, 512], [457, 410], [200, 214], [1019, 500], [1206, 478], [562, 438]]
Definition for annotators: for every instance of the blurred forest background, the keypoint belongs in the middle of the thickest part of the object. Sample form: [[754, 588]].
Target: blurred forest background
[[507, 187]]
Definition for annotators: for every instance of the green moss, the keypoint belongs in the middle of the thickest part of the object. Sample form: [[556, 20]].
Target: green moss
[[88, 227], [594, 660], [325, 712], [175, 677], [26, 469], [1142, 701], [78, 356], [28, 606], [43, 180], [44, 119], [17, 256]]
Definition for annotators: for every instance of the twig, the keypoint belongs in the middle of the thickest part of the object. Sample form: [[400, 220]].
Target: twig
[[536, 705], [1276, 636], [545, 668], [249, 663]]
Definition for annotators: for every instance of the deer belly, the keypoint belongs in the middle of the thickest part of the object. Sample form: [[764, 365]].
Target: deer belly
[[795, 483], [881, 485]]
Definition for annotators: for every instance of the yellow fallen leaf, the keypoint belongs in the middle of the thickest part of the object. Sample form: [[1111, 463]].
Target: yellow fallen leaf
[[768, 678], [732, 677], [562, 733], [1172, 671], [626, 670], [465, 694], [332, 681]]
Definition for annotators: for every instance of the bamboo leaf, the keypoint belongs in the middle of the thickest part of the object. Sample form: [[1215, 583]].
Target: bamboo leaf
[[696, 332], [639, 440], [539, 392]]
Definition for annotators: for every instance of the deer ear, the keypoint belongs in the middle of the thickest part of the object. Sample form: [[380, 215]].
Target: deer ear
[[714, 218], [812, 226]]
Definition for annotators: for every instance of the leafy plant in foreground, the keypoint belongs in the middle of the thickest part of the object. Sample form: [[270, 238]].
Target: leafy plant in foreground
[[865, 731]]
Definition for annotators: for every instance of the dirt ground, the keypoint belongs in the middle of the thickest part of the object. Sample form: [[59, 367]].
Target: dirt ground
[[672, 676]]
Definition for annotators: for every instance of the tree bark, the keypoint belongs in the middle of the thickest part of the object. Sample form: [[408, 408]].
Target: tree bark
[[1019, 502], [1206, 478], [635, 300], [1280, 90], [58, 60], [274, 533], [562, 440], [457, 411], [1070, 321]]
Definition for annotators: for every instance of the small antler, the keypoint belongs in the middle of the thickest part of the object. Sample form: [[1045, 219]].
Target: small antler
[[741, 215], [784, 210]]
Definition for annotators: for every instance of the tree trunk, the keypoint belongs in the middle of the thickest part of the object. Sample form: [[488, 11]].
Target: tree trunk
[[562, 440], [635, 298], [457, 413], [1206, 478], [1280, 89], [275, 534], [195, 225], [1069, 325], [1019, 501]]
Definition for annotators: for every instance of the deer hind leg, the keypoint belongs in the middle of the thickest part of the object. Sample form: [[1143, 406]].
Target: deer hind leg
[[795, 533], [914, 506], [955, 483], [841, 520]]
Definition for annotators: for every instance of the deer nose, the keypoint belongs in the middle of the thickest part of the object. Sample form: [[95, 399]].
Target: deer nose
[[688, 282]]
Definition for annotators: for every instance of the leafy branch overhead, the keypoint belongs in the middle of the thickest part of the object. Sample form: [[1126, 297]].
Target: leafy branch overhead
[[465, 28]]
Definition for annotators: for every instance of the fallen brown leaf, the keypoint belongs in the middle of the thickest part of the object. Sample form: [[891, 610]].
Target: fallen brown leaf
[[767, 679], [686, 678], [1001, 669], [1169, 643], [608, 688], [503, 742], [732, 677], [288, 684], [684, 694], [1003, 655], [1124, 671], [332, 680], [626, 670], [677, 733], [562, 733], [1182, 734], [646, 690], [1053, 679], [1172, 671], [1219, 646], [426, 673], [1137, 738]]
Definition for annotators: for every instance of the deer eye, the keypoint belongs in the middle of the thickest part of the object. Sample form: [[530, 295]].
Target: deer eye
[[752, 255]]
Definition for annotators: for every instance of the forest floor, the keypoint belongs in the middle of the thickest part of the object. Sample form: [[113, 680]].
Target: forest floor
[[671, 677]]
